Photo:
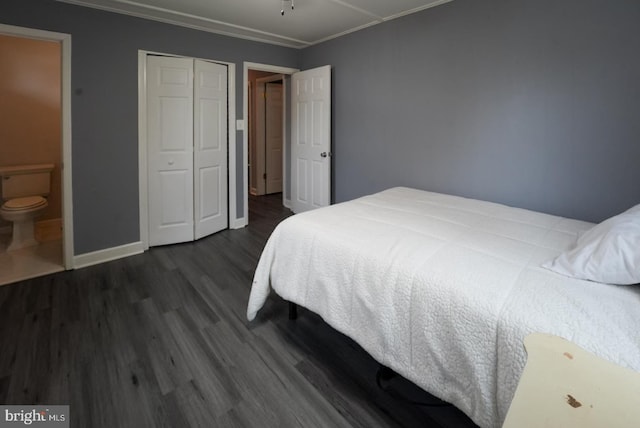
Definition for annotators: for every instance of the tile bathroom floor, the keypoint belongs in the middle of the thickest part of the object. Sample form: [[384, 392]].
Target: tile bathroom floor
[[29, 262]]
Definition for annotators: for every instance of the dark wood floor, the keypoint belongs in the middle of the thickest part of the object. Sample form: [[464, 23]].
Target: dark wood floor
[[161, 340]]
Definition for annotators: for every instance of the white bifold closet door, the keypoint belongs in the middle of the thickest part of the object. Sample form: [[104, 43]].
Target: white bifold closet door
[[186, 149]]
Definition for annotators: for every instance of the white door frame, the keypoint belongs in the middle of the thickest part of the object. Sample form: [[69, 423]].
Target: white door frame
[[142, 141], [241, 222], [67, 196]]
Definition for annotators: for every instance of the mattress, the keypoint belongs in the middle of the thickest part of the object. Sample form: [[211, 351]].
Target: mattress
[[443, 290]]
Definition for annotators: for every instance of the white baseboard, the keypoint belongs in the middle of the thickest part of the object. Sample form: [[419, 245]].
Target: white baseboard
[[108, 254], [287, 203], [238, 223]]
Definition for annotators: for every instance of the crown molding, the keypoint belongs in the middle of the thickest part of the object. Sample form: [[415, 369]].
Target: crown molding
[[169, 16]]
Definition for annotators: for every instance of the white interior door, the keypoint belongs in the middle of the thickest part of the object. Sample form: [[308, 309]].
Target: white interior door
[[170, 149], [259, 170], [210, 148], [311, 139], [274, 136]]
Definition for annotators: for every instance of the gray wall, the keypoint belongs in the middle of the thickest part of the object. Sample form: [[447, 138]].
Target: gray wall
[[529, 103], [105, 104]]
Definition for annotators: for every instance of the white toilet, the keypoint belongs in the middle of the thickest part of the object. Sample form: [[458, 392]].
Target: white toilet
[[23, 190]]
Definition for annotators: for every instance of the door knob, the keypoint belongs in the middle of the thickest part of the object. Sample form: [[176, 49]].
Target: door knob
[[171, 162], [324, 154]]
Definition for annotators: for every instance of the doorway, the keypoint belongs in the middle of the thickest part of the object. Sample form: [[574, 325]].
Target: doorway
[[266, 129], [256, 160], [306, 154], [37, 130]]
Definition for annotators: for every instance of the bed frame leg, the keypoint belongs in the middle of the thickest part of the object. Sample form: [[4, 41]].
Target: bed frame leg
[[293, 311]]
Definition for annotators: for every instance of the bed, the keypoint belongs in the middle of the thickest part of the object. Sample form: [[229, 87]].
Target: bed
[[443, 290]]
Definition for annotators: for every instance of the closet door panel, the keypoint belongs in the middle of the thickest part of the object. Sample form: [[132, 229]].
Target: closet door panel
[[210, 157], [170, 149]]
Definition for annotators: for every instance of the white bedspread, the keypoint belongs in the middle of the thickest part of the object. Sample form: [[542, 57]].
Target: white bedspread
[[443, 290]]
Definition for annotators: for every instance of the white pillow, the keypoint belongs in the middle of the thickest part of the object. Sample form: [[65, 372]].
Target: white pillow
[[609, 252]]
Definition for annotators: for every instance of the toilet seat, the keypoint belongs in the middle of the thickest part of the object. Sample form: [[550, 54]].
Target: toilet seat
[[26, 203]]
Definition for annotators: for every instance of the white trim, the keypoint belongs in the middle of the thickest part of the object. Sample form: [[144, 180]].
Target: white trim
[[414, 10], [286, 138], [357, 9], [67, 181], [142, 141], [108, 254], [232, 131], [169, 16], [243, 221], [195, 22], [143, 199], [270, 68], [378, 21], [237, 223]]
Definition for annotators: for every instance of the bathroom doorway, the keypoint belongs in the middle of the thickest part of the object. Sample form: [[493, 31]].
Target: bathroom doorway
[[35, 129]]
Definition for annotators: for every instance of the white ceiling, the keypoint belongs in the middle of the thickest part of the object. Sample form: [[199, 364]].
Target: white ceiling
[[311, 22]]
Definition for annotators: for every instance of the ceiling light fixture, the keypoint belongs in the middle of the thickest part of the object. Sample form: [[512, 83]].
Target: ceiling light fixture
[[282, 8]]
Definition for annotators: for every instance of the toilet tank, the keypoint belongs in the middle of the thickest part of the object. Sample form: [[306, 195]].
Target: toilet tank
[[26, 180]]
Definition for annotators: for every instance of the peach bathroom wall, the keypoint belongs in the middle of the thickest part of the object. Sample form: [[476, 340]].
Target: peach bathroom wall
[[30, 109]]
